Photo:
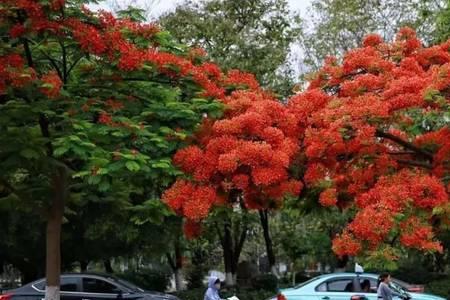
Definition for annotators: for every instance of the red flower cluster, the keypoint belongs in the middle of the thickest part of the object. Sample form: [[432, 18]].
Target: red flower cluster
[[355, 123], [192, 229], [51, 85], [246, 153], [13, 72], [190, 200]]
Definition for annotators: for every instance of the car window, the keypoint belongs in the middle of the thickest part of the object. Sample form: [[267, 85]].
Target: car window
[[40, 285], [372, 284], [322, 287], [93, 285], [397, 288], [307, 282], [130, 285], [69, 284], [340, 285]]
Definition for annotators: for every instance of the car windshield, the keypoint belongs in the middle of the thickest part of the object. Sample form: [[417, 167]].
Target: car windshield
[[398, 288]]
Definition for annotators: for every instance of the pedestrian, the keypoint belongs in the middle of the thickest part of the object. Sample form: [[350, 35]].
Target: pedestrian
[[212, 293], [384, 292]]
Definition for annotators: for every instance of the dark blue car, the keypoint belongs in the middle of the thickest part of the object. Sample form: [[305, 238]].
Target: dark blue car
[[86, 287]]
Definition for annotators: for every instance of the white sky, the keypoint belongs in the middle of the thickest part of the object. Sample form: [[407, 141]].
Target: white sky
[[161, 6], [168, 5]]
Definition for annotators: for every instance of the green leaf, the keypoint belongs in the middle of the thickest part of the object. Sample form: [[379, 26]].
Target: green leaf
[[132, 166], [60, 151], [161, 165], [29, 153], [104, 186], [94, 180]]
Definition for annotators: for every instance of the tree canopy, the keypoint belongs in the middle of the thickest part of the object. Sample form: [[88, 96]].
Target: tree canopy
[[373, 134], [337, 26], [253, 36]]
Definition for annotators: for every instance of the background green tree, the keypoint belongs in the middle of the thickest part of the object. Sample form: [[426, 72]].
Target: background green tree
[[81, 117], [250, 35], [336, 26]]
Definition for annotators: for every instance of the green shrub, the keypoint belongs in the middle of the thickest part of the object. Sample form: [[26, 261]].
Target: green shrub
[[194, 294], [148, 279], [267, 282], [439, 287], [301, 277], [195, 276], [414, 274]]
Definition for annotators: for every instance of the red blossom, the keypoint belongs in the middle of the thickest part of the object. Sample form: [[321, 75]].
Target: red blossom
[[17, 30], [357, 123], [192, 229], [372, 40], [51, 85], [105, 118], [328, 197]]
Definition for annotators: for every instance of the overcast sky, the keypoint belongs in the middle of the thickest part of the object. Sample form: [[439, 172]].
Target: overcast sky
[[167, 5], [161, 6]]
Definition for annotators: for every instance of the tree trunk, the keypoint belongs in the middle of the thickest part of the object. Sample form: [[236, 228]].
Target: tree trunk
[[232, 248], [107, 265], [54, 222], [342, 263], [179, 280], [228, 256], [264, 218], [177, 265]]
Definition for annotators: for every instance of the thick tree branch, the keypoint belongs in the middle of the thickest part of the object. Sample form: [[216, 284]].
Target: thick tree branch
[[415, 163], [64, 62], [171, 261], [219, 233], [405, 144], [43, 124]]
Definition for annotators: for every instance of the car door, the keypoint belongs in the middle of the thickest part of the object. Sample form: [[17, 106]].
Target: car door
[[372, 293], [95, 288], [336, 288], [70, 287]]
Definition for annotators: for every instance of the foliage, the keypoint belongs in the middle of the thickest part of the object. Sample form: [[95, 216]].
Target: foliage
[[93, 107], [377, 139], [337, 26], [15, 234], [442, 24], [439, 287], [252, 36], [305, 237], [148, 279], [266, 282]]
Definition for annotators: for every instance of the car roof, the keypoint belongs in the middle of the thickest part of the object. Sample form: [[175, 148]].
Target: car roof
[[343, 274], [88, 274]]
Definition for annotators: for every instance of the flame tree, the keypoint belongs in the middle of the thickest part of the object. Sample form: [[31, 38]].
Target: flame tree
[[376, 138], [93, 103], [370, 132], [240, 161]]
